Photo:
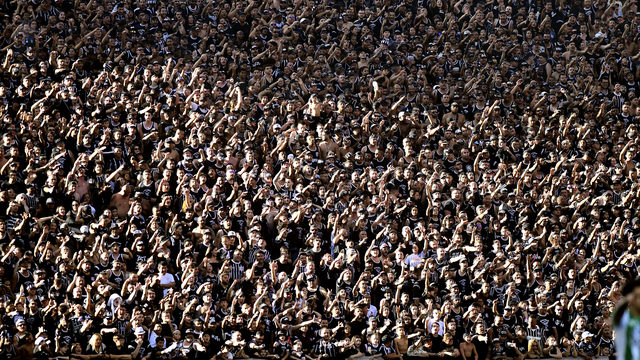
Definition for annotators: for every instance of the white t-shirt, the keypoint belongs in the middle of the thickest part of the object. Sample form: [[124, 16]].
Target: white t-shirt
[[166, 279]]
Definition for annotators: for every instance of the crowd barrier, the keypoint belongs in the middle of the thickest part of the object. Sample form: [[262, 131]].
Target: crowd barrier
[[549, 358]]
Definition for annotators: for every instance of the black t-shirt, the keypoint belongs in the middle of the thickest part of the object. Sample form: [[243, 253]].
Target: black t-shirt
[[482, 348], [497, 351], [187, 351], [156, 354], [107, 338], [588, 348], [114, 350]]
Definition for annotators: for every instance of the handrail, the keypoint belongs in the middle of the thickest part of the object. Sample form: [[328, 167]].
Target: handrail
[[547, 358]]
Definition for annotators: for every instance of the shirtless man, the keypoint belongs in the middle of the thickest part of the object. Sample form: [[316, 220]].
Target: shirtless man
[[327, 145], [404, 123], [171, 145], [453, 115], [468, 349], [77, 173], [121, 201], [401, 341], [3, 159], [82, 186], [198, 233], [315, 106]]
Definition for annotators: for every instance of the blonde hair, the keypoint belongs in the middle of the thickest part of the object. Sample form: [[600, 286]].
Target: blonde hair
[[546, 342], [530, 345], [92, 342]]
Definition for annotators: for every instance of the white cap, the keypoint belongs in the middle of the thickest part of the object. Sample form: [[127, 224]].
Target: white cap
[[39, 340]]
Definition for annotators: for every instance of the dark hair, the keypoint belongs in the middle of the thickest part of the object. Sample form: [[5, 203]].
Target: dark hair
[[629, 286], [622, 307]]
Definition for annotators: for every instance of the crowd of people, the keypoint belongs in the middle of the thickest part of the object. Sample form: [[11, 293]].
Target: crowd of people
[[318, 179]]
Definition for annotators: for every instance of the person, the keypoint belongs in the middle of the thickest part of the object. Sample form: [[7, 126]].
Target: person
[[119, 349], [519, 346], [388, 350], [324, 347], [298, 354], [282, 348], [606, 344], [497, 351], [587, 348], [626, 321], [467, 349], [551, 348], [568, 348], [447, 348], [211, 171], [96, 346], [534, 350], [422, 348]]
